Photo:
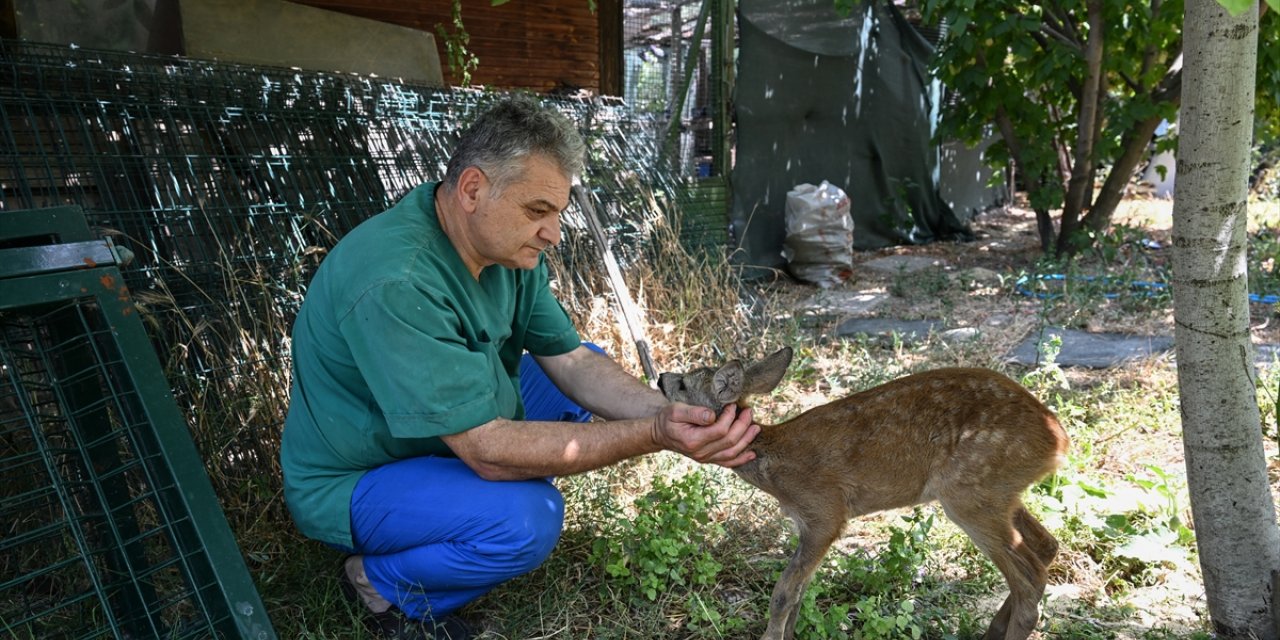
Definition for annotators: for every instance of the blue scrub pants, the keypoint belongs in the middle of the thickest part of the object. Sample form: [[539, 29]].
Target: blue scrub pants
[[436, 536]]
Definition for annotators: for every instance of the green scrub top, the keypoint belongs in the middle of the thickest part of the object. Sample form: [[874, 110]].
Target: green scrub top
[[396, 344]]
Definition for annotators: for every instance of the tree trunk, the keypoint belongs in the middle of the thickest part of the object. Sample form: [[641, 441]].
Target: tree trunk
[[1231, 503], [1044, 220], [1099, 124], [1080, 185], [1133, 149]]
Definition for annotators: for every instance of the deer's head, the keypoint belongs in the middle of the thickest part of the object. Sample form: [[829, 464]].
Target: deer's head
[[731, 383]]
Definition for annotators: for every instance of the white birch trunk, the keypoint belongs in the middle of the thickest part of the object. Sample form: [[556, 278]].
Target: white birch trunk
[[1231, 503]]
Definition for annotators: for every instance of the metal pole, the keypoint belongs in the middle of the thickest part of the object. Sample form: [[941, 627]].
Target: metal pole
[[631, 320]]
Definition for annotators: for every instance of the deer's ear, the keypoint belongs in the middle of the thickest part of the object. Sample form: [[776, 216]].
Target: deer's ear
[[763, 376], [726, 384]]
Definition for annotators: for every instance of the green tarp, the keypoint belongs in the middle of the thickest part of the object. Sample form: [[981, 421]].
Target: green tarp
[[843, 99]]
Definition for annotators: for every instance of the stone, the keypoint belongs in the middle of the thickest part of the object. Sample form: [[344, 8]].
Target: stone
[[902, 264], [1091, 350], [841, 302], [962, 334], [909, 330]]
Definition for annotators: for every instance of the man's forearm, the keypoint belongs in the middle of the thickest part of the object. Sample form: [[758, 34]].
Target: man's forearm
[[508, 450], [601, 386]]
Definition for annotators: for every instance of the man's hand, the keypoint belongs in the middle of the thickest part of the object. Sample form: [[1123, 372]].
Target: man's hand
[[699, 434]]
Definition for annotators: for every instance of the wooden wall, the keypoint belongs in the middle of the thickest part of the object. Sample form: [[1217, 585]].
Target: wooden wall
[[543, 45]]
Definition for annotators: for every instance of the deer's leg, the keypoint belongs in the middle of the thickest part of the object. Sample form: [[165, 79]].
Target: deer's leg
[[994, 532], [818, 529], [1000, 623], [1035, 535]]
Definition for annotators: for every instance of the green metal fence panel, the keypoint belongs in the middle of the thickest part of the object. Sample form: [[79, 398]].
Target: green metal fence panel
[[702, 205], [678, 59], [112, 527]]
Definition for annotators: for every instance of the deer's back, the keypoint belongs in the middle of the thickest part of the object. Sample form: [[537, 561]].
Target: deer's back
[[906, 441]]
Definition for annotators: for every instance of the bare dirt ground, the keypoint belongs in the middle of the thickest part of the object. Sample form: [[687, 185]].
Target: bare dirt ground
[[1007, 246]]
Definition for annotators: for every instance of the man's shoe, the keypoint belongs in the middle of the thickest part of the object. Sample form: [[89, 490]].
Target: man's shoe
[[393, 624], [449, 628]]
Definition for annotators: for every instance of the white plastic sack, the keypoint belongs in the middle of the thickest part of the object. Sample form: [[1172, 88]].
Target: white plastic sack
[[819, 243]]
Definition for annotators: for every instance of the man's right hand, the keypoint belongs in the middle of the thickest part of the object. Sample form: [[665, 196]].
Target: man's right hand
[[698, 433]]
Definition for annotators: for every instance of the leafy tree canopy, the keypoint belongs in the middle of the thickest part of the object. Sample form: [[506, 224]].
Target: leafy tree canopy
[[1058, 77]]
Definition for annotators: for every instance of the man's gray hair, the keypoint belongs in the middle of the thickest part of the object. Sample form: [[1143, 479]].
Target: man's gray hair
[[507, 134]]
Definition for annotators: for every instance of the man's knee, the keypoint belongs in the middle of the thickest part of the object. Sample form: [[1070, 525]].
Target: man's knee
[[534, 524]]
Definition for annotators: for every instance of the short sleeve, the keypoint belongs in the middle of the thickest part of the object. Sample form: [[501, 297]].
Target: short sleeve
[[549, 331], [424, 376]]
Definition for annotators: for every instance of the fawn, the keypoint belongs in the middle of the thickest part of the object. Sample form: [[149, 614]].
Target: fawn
[[971, 439]]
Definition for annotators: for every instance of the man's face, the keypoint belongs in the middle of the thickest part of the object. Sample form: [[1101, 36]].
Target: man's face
[[515, 227]]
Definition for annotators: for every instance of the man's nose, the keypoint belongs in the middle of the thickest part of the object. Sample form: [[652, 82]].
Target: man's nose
[[550, 232]]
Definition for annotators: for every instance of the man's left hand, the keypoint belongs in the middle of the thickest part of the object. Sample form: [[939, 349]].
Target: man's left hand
[[698, 433]]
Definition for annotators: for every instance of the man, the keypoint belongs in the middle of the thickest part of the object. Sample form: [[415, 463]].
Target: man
[[413, 441]]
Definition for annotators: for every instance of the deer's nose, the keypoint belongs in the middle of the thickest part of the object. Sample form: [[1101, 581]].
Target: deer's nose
[[664, 381]]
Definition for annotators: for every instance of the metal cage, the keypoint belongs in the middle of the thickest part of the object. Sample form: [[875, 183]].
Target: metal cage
[[112, 529]]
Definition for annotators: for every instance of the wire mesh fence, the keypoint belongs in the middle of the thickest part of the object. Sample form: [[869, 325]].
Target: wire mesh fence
[[89, 549], [671, 70], [230, 183]]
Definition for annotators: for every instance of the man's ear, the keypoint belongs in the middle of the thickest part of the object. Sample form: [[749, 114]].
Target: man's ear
[[726, 384], [471, 182]]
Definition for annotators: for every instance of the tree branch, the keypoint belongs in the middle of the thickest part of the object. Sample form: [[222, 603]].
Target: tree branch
[[1074, 45], [1170, 87], [1044, 221], [1149, 54], [1137, 88], [1080, 184], [1040, 39], [1061, 16]]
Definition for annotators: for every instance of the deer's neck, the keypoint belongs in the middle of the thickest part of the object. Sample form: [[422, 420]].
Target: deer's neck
[[768, 437]]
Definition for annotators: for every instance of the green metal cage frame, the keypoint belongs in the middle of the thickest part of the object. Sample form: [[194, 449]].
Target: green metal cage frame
[[114, 529]]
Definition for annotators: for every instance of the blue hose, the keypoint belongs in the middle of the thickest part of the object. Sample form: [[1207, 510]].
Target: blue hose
[[1136, 286]]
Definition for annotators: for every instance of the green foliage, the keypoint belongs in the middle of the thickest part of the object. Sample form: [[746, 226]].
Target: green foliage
[[1124, 271], [1267, 99], [870, 597], [819, 616], [461, 61], [1023, 62], [879, 625], [1269, 401], [1135, 528], [1264, 254], [1237, 7], [705, 615], [1048, 373], [663, 546], [1027, 59]]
